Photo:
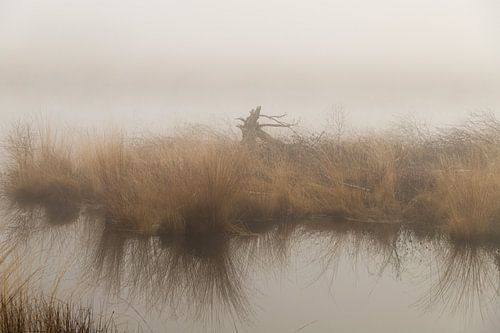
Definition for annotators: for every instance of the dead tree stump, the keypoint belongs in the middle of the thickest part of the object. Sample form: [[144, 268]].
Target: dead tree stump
[[252, 130]]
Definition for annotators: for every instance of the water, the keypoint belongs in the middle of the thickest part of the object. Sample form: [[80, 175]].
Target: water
[[314, 275]]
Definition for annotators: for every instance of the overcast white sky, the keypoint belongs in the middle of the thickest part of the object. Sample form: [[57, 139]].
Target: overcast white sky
[[193, 59]]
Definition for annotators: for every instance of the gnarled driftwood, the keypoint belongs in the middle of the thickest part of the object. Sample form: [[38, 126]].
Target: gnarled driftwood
[[252, 130]]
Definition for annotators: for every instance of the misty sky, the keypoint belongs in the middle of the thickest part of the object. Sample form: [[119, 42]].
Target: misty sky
[[193, 60]]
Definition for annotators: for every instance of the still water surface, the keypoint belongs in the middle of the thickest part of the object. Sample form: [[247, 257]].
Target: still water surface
[[303, 276]]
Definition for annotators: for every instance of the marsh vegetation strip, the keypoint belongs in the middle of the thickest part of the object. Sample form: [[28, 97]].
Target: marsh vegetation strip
[[204, 180]]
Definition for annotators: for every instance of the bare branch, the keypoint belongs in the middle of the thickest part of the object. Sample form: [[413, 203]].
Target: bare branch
[[276, 125], [279, 121], [272, 117], [356, 187]]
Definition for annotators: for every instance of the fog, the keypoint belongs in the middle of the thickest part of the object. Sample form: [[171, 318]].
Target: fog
[[195, 234], [159, 63]]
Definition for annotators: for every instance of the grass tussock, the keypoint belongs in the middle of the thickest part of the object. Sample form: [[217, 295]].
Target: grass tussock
[[22, 313], [204, 181], [23, 310], [470, 197]]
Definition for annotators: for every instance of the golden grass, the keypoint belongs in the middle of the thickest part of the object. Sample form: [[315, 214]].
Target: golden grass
[[23, 313], [23, 310], [470, 197], [198, 182]]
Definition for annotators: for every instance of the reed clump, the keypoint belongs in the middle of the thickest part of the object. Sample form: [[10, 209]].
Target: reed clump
[[22, 313], [24, 310], [162, 184], [198, 182], [41, 172]]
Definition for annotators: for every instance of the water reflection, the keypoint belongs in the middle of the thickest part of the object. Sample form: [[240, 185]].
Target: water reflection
[[381, 243], [465, 279], [207, 277], [201, 275], [189, 273]]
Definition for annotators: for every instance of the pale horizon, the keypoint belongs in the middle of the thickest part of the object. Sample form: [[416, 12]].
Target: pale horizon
[[194, 61]]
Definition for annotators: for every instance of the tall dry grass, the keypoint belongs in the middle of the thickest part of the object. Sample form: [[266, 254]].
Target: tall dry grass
[[172, 185], [24, 310], [40, 171], [24, 313], [207, 180]]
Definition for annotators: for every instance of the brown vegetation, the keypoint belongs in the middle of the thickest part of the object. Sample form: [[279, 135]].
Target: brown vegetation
[[22, 313], [22, 310], [196, 182]]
